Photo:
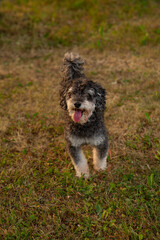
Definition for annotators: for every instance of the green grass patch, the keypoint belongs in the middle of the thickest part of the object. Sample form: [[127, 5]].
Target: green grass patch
[[93, 24]]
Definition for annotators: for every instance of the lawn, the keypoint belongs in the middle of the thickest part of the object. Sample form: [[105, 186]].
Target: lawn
[[40, 196]]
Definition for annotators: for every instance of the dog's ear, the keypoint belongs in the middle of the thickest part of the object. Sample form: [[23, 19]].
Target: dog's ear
[[63, 103], [100, 98]]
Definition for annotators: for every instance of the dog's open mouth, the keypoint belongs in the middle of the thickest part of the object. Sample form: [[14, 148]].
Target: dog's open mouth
[[77, 115]]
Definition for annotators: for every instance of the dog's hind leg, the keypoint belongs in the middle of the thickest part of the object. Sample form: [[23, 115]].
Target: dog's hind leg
[[79, 161], [100, 154]]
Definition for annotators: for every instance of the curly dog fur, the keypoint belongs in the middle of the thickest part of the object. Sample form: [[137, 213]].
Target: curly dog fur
[[83, 102]]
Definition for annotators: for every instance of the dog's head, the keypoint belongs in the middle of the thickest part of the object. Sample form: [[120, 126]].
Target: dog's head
[[82, 98]]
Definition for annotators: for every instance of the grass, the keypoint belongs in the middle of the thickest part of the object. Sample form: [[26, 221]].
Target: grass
[[92, 24], [40, 196]]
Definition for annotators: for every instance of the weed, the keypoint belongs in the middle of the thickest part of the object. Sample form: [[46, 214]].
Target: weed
[[147, 117]]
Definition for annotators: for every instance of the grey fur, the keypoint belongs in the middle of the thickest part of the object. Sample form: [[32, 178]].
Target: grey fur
[[92, 132], [73, 66]]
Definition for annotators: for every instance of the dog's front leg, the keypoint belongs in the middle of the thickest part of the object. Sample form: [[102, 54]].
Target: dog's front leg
[[100, 154], [79, 161]]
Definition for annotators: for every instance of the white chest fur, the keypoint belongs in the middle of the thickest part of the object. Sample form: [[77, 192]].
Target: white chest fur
[[94, 141]]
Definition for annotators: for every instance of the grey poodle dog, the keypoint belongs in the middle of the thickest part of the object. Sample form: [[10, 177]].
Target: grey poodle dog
[[83, 102]]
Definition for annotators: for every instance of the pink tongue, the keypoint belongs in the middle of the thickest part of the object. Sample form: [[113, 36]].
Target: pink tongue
[[77, 116]]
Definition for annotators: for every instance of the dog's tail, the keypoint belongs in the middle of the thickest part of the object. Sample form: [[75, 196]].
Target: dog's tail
[[73, 66]]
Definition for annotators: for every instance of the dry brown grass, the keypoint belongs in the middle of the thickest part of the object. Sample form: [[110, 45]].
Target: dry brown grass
[[30, 86], [31, 123], [41, 197]]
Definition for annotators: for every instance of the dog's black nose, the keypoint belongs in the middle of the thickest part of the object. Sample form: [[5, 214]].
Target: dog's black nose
[[77, 104]]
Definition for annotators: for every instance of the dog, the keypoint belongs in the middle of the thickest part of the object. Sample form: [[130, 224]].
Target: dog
[[83, 102]]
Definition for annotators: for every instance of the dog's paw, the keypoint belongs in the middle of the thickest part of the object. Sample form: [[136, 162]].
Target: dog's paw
[[86, 174], [100, 165]]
